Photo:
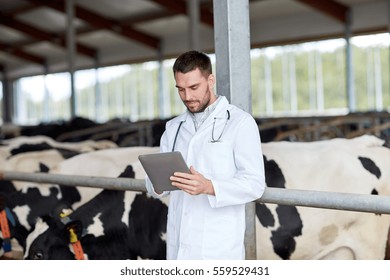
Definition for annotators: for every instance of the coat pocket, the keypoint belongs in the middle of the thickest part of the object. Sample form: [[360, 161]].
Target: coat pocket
[[223, 236], [219, 160]]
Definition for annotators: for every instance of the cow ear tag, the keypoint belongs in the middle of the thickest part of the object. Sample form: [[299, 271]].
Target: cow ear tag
[[61, 210], [77, 248], [6, 233], [75, 230], [76, 227], [5, 215], [72, 236]]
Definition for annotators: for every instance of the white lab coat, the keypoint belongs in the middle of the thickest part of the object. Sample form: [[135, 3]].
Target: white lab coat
[[207, 226]]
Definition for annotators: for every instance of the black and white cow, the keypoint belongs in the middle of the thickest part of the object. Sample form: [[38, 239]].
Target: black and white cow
[[20, 196], [358, 165], [106, 163], [31, 141], [28, 201], [112, 225]]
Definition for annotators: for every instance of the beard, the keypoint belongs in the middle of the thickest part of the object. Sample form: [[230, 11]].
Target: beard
[[197, 106]]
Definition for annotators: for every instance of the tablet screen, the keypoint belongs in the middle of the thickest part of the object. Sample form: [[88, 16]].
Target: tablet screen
[[160, 166]]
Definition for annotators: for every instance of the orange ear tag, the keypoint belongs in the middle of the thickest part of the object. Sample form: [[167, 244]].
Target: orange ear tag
[[77, 248], [4, 227]]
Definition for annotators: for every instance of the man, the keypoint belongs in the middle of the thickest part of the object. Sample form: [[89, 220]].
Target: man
[[221, 144]]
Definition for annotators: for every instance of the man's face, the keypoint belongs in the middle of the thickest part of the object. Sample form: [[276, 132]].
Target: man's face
[[195, 90]]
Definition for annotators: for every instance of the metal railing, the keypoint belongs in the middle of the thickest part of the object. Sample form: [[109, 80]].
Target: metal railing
[[316, 199]]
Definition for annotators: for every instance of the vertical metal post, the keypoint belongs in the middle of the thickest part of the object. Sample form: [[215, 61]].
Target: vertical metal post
[[149, 93], [388, 28], [349, 63], [233, 72], [370, 79], [378, 79], [193, 12], [98, 92], [118, 97], [136, 94], [319, 83], [312, 80], [161, 85], [232, 50], [268, 85], [71, 47], [8, 98], [293, 83], [285, 73], [46, 101]]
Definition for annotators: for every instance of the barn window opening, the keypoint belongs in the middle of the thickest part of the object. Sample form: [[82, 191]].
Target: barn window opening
[[307, 79]]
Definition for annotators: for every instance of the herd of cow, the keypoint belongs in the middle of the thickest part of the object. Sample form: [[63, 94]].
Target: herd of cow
[[47, 221]]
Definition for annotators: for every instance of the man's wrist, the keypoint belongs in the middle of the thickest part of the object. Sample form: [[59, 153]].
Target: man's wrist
[[210, 188]]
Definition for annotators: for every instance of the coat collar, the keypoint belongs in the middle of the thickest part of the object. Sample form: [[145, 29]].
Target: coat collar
[[219, 112]]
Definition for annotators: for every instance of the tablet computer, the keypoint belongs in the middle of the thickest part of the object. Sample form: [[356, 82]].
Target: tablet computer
[[160, 166]]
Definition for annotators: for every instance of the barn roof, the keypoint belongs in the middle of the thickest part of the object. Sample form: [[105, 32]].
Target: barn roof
[[109, 32]]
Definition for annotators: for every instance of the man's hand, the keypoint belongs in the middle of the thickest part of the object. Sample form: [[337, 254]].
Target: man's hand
[[194, 183]]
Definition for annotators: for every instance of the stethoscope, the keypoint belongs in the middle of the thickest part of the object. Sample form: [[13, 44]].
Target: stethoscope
[[213, 140]]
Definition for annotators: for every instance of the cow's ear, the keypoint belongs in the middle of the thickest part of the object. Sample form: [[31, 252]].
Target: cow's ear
[[61, 210]]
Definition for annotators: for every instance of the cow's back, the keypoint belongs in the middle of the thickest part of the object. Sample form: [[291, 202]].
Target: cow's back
[[338, 165]]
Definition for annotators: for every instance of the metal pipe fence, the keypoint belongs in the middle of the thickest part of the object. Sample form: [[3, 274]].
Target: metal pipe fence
[[317, 199], [120, 184]]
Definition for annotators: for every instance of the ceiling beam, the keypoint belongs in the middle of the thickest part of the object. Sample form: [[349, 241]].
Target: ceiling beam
[[180, 7], [34, 32], [22, 54], [112, 25], [145, 17], [21, 9], [330, 8], [102, 22]]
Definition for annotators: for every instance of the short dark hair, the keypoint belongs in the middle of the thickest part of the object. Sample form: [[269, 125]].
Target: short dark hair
[[192, 60]]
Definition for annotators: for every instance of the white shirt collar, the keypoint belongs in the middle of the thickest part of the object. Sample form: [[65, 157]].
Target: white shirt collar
[[199, 118]]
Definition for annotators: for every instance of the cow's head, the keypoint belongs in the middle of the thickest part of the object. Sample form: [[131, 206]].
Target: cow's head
[[50, 240], [53, 233], [117, 226], [23, 207]]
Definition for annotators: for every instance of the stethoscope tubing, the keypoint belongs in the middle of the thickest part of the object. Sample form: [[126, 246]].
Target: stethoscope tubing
[[212, 133]]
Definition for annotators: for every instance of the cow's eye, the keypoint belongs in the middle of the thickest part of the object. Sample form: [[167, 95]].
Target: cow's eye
[[38, 256]]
